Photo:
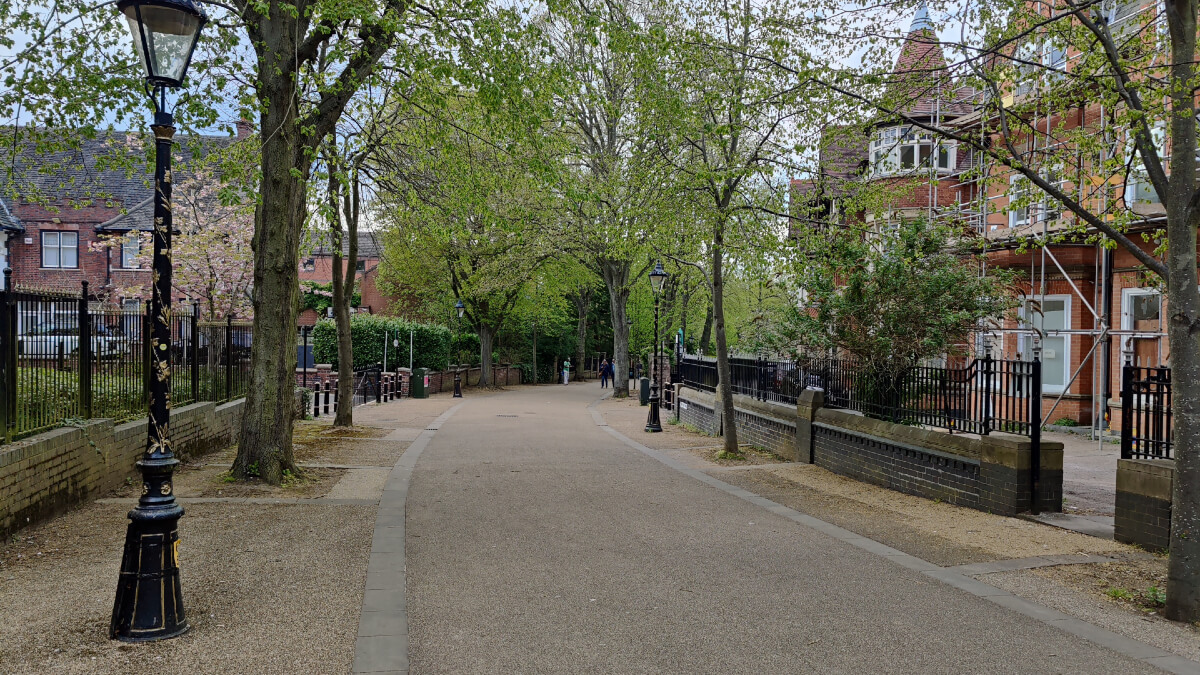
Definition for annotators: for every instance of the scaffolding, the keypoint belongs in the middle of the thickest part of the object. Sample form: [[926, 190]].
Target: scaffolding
[[1045, 264]]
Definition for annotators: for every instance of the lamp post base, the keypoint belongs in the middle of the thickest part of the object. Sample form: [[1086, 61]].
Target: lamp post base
[[149, 603], [653, 425]]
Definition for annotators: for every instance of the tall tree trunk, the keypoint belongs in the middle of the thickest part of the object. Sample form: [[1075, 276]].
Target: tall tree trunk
[[486, 335], [705, 345], [729, 423], [1183, 567], [265, 449], [583, 301], [685, 302], [343, 289], [616, 278]]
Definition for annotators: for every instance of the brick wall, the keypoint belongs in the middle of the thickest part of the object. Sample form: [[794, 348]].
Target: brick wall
[[1143, 508], [96, 267], [698, 415], [990, 473], [767, 429], [916, 471], [46, 474]]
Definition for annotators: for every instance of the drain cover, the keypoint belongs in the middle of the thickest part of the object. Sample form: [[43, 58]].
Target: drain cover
[[505, 415]]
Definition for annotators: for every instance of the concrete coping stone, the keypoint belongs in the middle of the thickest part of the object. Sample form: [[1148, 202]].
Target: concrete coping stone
[[1154, 467]]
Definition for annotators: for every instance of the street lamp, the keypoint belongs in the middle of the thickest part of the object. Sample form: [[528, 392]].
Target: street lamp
[[658, 277], [149, 602], [460, 307]]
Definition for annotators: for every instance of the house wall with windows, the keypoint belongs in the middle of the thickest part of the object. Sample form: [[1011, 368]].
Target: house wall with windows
[[1093, 308], [55, 252]]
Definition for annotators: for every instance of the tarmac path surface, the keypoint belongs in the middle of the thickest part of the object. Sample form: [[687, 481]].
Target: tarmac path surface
[[538, 542]]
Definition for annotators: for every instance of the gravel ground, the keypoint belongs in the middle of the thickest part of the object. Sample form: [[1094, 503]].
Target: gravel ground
[[627, 416], [1000, 536], [1055, 588], [350, 452], [267, 589]]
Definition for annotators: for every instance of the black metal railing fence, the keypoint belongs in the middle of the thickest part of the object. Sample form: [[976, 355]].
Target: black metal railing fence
[[1146, 413], [65, 357], [982, 396]]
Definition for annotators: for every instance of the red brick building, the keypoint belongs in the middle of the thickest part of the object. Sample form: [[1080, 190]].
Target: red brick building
[[318, 267], [1089, 306], [56, 206]]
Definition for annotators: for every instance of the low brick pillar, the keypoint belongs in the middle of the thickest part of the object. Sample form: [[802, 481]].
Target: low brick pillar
[[1143, 509], [1005, 479], [807, 405]]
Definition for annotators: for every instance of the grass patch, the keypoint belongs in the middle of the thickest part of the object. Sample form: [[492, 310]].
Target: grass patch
[[730, 456], [1152, 599]]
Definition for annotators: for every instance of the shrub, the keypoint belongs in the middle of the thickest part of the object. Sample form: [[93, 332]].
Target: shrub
[[430, 343]]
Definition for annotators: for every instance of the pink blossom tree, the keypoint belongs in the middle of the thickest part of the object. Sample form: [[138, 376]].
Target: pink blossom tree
[[212, 256]]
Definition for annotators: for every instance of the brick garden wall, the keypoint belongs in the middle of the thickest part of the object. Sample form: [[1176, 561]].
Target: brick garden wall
[[698, 416], [1143, 508], [915, 471], [990, 473], [766, 426], [47, 474]]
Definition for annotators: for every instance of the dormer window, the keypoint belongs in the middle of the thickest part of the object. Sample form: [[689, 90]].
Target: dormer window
[[904, 149]]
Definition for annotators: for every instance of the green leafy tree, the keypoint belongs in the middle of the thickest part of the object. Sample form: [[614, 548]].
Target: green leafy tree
[[296, 66], [469, 221], [614, 188], [728, 125], [891, 300]]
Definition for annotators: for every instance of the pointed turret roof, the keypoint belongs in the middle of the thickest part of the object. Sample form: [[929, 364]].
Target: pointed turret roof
[[920, 78]]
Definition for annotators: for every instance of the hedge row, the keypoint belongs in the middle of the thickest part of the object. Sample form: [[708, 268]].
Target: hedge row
[[430, 343]]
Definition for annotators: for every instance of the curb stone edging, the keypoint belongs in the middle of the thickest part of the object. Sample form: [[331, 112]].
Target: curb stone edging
[[1125, 646], [382, 643]]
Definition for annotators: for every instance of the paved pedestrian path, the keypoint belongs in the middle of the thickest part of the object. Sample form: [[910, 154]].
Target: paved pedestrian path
[[520, 534]]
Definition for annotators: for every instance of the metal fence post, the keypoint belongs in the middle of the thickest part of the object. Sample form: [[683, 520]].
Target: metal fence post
[[229, 357], [195, 352], [85, 355], [1127, 410], [1035, 434], [987, 395], [147, 318], [8, 353]]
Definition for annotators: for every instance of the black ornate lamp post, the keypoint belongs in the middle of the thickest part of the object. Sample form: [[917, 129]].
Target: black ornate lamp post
[[149, 602], [460, 308], [657, 278]]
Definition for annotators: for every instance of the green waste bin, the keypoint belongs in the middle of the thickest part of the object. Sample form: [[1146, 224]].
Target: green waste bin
[[419, 386], [645, 390]]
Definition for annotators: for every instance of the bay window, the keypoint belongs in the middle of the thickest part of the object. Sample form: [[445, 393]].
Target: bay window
[[900, 149]]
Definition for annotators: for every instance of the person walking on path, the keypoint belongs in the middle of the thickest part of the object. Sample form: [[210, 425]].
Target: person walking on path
[[604, 373], [566, 371]]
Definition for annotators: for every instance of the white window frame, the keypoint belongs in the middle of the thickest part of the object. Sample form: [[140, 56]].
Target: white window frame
[[58, 248], [889, 144], [1018, 189], [132, 240], [1023, 341], [1127, 296], [1025, 61]]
